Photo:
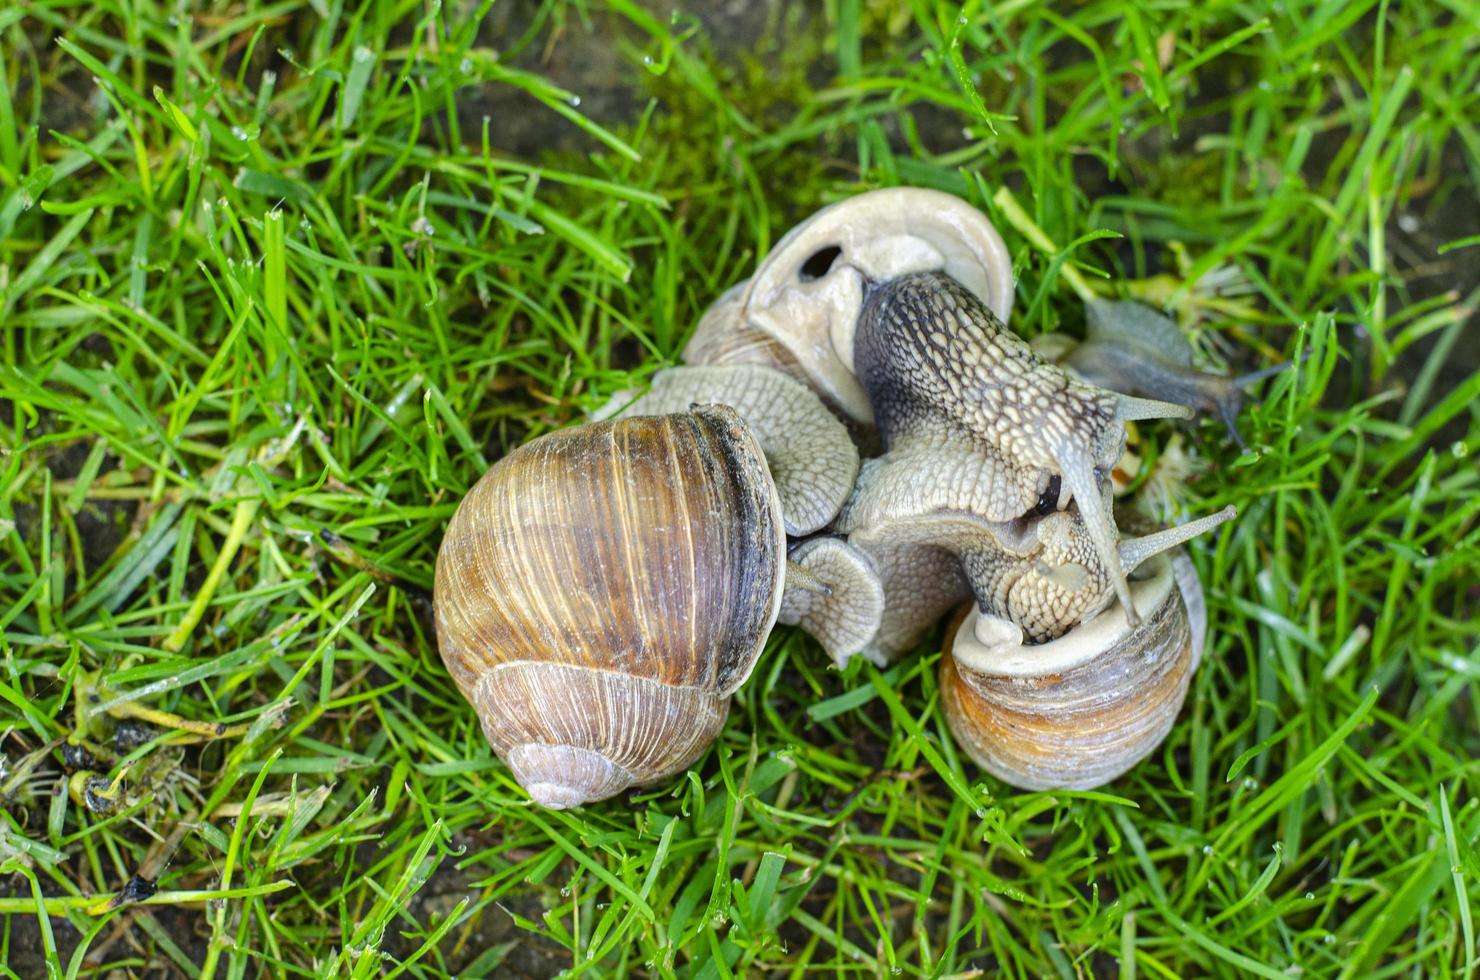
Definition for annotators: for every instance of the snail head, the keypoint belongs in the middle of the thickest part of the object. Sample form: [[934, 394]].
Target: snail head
[[932, 356]]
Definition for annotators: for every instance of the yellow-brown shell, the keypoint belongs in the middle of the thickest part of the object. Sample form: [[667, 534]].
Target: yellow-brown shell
[[603, 590], [1076, 712]]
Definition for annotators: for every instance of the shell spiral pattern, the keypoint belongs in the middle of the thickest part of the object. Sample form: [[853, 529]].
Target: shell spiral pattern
[[1076, 712], [603, 590]]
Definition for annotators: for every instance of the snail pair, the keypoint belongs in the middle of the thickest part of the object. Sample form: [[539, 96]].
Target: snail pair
[[603, 590]]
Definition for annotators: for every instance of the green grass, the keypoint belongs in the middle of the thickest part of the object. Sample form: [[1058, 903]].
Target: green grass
[[277, 281]]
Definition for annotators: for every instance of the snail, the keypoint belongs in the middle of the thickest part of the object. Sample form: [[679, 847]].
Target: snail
[[603, 590], [1132, 348], [1078, 711], [942, 370]]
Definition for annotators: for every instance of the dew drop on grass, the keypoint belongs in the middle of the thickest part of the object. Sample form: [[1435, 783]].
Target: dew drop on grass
[[574, 100], [1207, 850], [466, 67], [647, 60], [239, 133], [1459, 450], [1310, 896]]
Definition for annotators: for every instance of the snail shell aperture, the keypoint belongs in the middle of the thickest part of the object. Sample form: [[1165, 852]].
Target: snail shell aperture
[[602, 591]]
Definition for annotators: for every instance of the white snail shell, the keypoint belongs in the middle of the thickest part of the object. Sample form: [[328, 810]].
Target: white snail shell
[[799, 311]]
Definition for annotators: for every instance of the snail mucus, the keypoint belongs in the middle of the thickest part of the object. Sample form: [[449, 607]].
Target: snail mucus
[[603, 590]]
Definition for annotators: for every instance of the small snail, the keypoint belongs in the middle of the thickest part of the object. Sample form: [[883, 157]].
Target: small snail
[[1080, 710], [1132, 348]]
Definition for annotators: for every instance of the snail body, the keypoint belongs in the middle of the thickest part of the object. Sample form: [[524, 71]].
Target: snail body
[[602, 591], [1130, 347], [934, 357]]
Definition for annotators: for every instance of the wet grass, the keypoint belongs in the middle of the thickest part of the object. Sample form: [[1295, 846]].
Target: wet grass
[[275, 290]]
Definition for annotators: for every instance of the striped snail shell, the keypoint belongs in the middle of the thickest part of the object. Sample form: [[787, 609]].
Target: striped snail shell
[[1080, 710], [602, 591]]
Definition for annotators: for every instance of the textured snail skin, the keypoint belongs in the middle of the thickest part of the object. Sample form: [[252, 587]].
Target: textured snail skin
[[929, 352], [934, 358], [833, 592], [1048, 592], [1080, 711], [603, 590]]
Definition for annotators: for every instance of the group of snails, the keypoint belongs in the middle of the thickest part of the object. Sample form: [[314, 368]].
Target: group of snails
[[854, 443]]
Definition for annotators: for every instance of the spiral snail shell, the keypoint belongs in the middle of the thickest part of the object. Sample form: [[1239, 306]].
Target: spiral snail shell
[[603, 590], [1078, 711]]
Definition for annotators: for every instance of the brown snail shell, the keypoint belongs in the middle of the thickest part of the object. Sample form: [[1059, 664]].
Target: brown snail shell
[[1078, 711], [603, 590]]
